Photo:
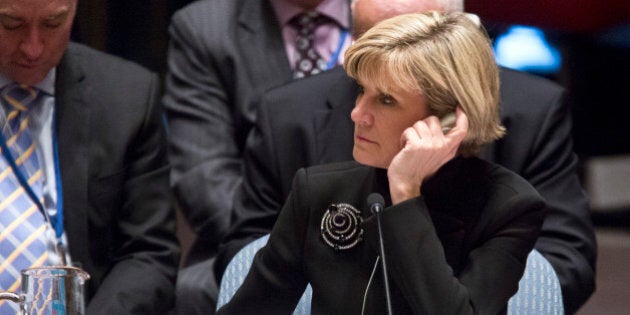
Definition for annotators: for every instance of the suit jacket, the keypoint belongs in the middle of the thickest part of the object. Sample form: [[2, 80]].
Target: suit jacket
[[223, 54], [114, 172], [460, 248], [307, 122]]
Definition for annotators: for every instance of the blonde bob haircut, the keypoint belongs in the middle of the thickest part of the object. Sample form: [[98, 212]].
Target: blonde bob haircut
[[446, 57]]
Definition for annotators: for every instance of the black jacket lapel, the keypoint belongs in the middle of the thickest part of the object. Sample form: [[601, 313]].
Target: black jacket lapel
[[71, 119], [333, 126]]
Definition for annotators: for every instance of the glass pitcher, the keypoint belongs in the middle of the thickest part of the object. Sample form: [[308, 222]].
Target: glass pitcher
[[50, 290]]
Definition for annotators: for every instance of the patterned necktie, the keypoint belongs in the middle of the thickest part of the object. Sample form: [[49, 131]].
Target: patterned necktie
[[308, 61], [22, 226]]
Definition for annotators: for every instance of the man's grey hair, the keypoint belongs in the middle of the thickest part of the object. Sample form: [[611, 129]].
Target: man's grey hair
[[449, 5]]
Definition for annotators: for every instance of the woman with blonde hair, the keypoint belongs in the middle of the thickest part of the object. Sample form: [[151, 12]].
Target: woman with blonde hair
[[456, 229]]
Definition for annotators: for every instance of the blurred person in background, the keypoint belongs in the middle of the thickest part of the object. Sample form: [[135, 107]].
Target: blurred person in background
[[223, 54]]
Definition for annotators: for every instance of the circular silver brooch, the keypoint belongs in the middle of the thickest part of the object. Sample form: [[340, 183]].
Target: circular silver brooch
[[340, 226]]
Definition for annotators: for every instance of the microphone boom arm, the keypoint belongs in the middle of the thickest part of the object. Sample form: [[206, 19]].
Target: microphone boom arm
[[376, 202]]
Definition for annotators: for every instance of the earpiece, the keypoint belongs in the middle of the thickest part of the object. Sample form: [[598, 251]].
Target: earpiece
[[447, 122]]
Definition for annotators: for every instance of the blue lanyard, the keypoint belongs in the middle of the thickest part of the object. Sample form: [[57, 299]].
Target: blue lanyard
[[333, 59], [57, 219]]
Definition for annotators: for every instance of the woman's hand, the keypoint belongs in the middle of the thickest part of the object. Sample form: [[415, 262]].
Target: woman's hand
[[424, 149]]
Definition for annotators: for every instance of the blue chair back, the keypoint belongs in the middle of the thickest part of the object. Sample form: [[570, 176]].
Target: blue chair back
[[539, 289], [538, 293]]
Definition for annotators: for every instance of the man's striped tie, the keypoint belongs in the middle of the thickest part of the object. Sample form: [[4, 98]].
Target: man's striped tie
[[22, 225]]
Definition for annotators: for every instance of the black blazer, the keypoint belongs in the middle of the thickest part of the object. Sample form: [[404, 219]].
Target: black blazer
[[460, 248], [307, 122], [222, 55], [114, 171]]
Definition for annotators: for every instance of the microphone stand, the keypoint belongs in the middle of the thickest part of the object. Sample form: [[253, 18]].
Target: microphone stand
[[377, 208]]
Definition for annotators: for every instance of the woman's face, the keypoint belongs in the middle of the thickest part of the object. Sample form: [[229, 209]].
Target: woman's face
[[379, 120]]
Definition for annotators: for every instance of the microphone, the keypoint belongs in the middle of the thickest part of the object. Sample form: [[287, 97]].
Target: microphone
[[376, 203]]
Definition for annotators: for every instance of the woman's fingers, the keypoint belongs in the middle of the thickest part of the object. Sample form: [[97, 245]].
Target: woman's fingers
[[460, 130]]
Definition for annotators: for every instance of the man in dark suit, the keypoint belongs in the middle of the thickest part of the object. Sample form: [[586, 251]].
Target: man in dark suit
[[101, 117], [223, 55], [308, 123]]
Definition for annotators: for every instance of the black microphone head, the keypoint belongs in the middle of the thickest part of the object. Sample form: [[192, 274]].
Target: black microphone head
[[375, 198]]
